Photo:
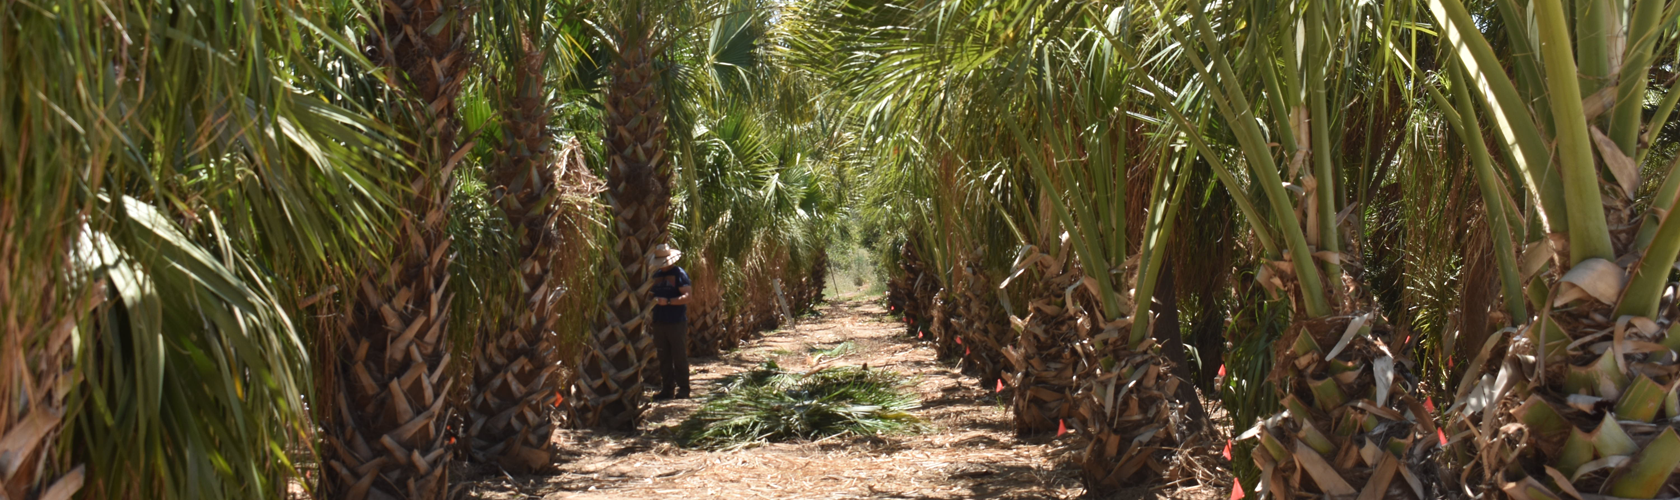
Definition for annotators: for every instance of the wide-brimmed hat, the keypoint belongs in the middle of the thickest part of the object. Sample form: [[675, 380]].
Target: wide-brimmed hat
[[665, 255]]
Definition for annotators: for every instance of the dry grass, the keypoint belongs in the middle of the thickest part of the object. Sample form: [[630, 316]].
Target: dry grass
[[971, 451]]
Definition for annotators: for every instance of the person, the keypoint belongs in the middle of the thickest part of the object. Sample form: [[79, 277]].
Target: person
[[671, 289]]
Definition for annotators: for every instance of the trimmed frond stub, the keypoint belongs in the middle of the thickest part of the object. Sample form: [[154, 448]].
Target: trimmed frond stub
[[1578, 402], [1126, 401], [1350, 426], [608, 393]]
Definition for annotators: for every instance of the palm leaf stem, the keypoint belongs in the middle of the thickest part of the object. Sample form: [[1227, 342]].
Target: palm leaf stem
[[1163, 211], [1589, 233], [1522, 138], [1239, 114], [1323, 170], [1493, 200]]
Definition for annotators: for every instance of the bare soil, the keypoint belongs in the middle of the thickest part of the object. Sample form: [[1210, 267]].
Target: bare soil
[[970, 450]]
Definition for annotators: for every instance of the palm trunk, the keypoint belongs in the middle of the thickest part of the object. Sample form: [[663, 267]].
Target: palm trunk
[[817, 282], [1169, 334], [898, 295], [384, 416], [943, 326], [516, 366], [609, 390], [914, 311], [924, 289], [706, 329], [1046, 357], [1133, 428], [1335, 405], [984, 326]]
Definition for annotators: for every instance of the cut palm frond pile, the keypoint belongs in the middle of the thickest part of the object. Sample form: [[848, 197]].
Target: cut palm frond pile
[[833, 352], [768, 404]]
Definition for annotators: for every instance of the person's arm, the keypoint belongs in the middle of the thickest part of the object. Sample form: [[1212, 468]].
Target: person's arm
[[680, 300]]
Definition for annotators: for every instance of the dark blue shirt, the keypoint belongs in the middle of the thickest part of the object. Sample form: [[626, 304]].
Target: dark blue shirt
[[667, 284]]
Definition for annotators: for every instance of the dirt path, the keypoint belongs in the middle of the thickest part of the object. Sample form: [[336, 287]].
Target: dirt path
[[971, 451]]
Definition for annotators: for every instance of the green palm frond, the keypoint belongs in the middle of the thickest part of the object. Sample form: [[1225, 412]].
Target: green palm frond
[[767, 404], [195, 371], [220, 183]]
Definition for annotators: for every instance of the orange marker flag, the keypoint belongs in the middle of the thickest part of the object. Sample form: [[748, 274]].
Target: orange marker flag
[[1429, 404], [1236, 489], [1227, 453], [1061, 427], [558, 398], [1000, 385], [1441, 434]]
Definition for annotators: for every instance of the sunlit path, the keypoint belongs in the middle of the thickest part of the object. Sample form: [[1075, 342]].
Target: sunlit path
[[971, 452]]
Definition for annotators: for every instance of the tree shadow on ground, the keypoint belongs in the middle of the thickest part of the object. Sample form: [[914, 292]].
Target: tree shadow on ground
[[650, 463], [1014, 481]]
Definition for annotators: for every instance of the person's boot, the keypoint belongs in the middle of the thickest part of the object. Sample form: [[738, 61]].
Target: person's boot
[[664, 394], [682, 393]]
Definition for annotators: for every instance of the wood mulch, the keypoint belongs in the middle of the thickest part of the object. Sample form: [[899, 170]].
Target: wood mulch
[[970, 451]]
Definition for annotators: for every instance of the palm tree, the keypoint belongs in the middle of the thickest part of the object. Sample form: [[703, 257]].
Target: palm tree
[[608, 393], [384, 412], [1340, 385], [965, 80], [718, 89], [539, 184], [159, 242], [662, 80], [1595, 271], [1129, 425]]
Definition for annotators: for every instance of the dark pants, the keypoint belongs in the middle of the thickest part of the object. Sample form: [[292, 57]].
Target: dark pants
[[672, 341]]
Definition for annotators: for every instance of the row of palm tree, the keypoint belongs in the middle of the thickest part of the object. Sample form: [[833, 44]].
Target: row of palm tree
[[1526, 284], [751, 205], [236, 235]]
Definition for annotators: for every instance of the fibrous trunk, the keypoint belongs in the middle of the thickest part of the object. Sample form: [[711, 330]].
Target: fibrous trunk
[[982, 323], [1046, 356], [1131, 415], [609, 389], [898, 295], [1352, 427], [919, 298], [816, 281], [1579, 400], [942, 326], [756, 308], [1132, 399], [384, 416], [707, 330], [806, 290], [516, 372]]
